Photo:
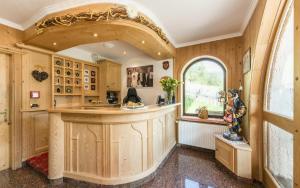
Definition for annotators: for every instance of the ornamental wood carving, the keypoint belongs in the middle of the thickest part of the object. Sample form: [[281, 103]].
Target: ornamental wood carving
[[118, 13]]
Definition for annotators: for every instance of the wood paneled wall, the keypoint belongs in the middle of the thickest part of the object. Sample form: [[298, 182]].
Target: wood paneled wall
[[35, 133], [35, 121], [249, 41], [229, 51], [10, 36], [32, 60]]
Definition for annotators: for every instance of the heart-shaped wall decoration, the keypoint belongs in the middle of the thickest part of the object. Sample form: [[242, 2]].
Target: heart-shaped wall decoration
[[39, 76]]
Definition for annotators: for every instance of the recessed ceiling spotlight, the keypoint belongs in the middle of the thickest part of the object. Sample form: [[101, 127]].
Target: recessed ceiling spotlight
[[124, 52], [143, 42], [158, 53], [95, 34], [54, 43]]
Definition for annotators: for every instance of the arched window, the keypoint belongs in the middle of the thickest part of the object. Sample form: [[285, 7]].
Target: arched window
[[203, 79], [279, 104]]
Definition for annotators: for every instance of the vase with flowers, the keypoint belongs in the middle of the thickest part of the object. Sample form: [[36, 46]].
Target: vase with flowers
[[169, 85]]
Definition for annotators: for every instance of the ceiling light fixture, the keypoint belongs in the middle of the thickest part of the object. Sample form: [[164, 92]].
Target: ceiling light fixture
[[54, 43], [95, 34], [159, 53], [124, 53], [143, 42]]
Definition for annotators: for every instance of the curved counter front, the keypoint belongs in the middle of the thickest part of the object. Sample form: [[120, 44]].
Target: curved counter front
[[109, 146]]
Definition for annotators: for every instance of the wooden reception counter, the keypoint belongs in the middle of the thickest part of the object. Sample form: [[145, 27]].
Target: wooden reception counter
[[109, 146]]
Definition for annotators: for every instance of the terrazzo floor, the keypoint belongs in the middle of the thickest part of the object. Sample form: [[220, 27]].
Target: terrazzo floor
[[185, 168]]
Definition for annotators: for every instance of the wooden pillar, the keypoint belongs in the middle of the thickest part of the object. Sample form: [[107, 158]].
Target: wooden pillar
[[56, 147], [297, 95]]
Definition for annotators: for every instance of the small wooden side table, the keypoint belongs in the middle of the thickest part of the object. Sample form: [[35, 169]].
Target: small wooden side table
[[235, 155]]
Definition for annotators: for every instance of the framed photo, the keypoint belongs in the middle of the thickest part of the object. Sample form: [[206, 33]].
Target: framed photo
[[247, 61], [93, 80], [140, 77], [86, 87], [86, 72], [86, 79], [93, 87], [93, 73]]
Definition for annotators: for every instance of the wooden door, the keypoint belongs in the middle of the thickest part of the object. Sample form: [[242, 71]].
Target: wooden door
[[4, 109]]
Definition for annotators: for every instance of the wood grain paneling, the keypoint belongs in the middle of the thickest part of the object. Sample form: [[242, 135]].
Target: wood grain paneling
[[4, 112], [297, 96], [112, 149], [82, 33], [35, 133], [16, 103], [228, 51], [32, 60], [110, 78], [225, 154], [10, 36]]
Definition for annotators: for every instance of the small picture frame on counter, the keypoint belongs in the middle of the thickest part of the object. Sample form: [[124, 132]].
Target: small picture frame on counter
[[93, 87], [93, 73], [93, 80]]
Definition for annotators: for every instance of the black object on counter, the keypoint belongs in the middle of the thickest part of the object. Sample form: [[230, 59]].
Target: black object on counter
[[160, 101], [132, 96], [111, 97]]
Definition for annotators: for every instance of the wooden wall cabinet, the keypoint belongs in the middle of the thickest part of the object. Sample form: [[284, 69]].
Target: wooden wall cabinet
[[236, 156], [111, 75], [74, 82], [110, 78]]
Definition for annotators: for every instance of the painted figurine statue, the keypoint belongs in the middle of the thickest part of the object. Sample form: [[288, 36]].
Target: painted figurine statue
[[234, 113]]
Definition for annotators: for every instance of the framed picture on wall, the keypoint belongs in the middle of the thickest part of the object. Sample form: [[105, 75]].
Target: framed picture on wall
[[247, 61], [140, 77]]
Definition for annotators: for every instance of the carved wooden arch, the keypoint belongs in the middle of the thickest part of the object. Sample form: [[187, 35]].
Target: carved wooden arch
[[77, 26]]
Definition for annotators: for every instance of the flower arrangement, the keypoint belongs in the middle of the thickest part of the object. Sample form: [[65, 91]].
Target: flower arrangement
[[169, 85]]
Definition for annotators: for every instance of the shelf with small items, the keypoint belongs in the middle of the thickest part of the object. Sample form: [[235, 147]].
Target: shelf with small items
[[74, 78]]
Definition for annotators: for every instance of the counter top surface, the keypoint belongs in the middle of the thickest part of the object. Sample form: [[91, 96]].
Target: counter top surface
[[110, 110]]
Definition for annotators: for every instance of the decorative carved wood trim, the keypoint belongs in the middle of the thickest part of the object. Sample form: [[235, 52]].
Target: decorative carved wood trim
[[115, 13]]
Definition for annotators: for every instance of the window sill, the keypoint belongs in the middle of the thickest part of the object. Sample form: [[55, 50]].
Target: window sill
[[215, 121]]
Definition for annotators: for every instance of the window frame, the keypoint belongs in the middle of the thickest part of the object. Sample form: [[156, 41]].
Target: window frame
[[219, 63], [288, 124]]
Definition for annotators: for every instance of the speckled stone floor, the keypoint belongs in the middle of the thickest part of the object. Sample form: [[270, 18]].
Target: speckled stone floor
[[185, 168]]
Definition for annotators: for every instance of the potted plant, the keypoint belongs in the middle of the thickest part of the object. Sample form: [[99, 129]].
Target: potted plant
[[169, 85]]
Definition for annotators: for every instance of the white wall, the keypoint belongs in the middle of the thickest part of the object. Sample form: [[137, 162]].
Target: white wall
[[77, 54], [148, 95]]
